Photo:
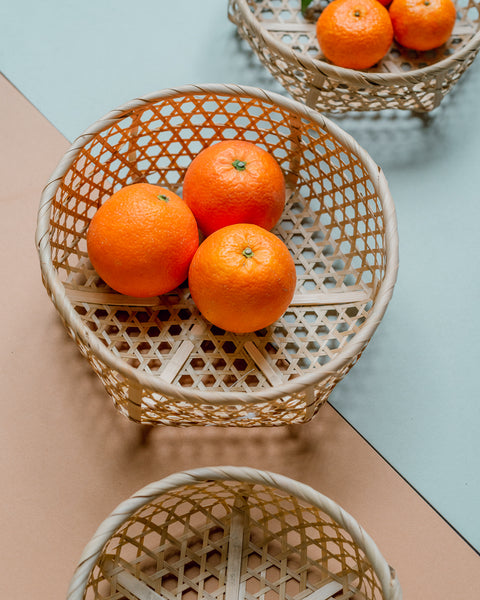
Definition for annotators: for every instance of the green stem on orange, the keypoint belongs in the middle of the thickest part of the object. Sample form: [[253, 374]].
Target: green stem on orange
[[240, 165], [248, 252], [163, 197]]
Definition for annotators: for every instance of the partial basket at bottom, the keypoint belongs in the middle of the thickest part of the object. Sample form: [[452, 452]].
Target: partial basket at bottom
[[159, 359], [231, 533]]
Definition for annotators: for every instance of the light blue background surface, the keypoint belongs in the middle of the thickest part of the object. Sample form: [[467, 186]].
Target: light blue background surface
[[414, 393]]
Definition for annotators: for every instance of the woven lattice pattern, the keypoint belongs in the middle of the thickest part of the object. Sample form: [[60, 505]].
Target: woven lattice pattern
[[285, 42], [179, 546], [338, 223]]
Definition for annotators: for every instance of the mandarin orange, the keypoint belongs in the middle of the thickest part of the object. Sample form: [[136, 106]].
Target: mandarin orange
[[142, 239], [354, 34], [242, 278], [234, 181], [422, 24]]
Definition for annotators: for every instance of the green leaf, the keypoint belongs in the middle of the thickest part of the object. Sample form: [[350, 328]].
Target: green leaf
[[305, 4]]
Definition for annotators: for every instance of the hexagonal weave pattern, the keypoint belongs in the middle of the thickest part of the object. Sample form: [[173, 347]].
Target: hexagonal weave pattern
[[284, 40], [231, 533], [158, 358]]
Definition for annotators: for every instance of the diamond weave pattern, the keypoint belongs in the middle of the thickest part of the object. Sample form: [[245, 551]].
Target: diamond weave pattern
[[178, 546]]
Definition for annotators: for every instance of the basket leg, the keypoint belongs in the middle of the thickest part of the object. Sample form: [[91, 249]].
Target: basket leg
[[134, 408], [314, 91], [425, 115], [134, 405]]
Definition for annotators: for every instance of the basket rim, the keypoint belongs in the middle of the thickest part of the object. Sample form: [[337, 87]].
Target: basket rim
[[388, 580], [352, 75], [154, 382]]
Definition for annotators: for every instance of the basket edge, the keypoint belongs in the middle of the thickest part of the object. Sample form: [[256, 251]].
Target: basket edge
[[297, 385], [386, 575]]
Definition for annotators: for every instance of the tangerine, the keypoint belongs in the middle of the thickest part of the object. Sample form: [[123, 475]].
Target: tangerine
[[242, 278], [234, 181], [422, 24], [142, 239], [354, 34]]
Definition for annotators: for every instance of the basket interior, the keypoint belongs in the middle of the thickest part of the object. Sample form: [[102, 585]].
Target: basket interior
[[284, 20], [232, 541], [333, 224]]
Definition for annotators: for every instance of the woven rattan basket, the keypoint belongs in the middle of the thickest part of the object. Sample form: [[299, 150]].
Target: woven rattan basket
[[234, 534], [161, 362], [285, 42]]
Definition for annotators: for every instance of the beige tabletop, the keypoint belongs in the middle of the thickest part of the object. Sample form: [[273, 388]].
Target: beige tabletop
[[69, 457]]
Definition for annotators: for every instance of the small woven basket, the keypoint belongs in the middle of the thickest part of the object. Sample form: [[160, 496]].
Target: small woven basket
[[285, 42], [231, 533], [160, 361]]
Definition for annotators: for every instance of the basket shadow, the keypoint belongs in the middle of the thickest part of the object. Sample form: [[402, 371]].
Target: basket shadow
[[403, 139], [278, 449], [153, 451]]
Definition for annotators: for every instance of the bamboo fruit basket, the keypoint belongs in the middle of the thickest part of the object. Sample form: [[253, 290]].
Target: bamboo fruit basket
[[231, 533], [158, 359], [285, 42]]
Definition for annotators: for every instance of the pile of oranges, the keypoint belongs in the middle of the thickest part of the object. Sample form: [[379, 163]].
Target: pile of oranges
[[356, 34], [144, 240]]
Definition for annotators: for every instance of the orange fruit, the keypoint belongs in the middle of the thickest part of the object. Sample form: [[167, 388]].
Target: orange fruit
[[234, 181], [142, 239], [354, 34], [422, 24], [242, 278]]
